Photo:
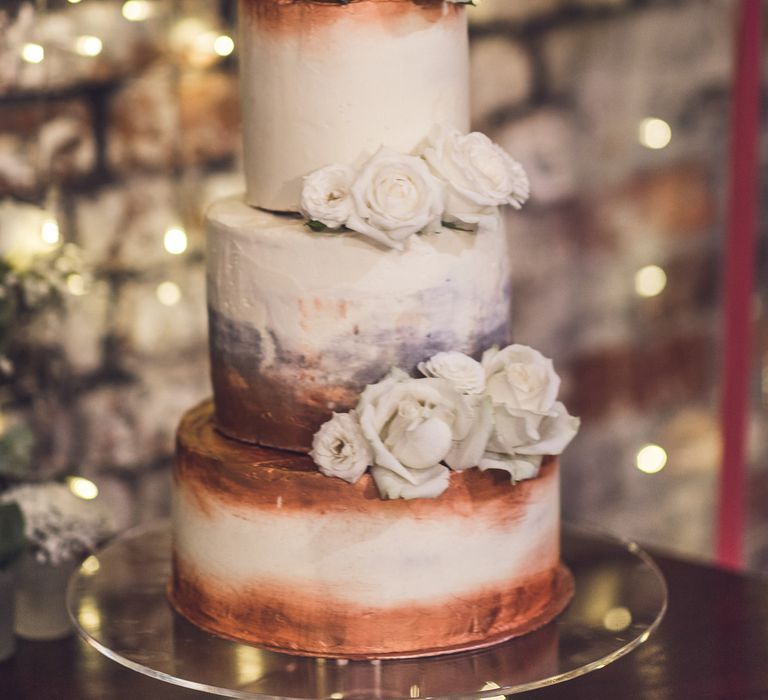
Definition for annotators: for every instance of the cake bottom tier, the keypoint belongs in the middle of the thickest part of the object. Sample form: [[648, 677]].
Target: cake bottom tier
[[269, 551]]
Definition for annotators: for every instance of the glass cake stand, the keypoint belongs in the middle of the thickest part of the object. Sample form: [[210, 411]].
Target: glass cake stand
[[117, 601]]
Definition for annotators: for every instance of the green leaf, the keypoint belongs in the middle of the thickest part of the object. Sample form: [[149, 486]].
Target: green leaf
[[16, 448], [320, 227], [317, 226], [12, 540], [458, 227]]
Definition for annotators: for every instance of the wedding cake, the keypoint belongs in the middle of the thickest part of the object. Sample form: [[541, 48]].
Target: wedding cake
[[377, 473]]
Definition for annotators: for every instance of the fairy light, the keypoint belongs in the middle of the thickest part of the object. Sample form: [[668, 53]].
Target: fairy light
[[650, 281], [89, 614], [90, 566], [249, 664], [168, 293], [654, 133], [137, 10], [82, 487], [223, 45], [49, 232], [33, 53], [651, 459], [617, 619], [175, 241], [88, 45], [76, 285]]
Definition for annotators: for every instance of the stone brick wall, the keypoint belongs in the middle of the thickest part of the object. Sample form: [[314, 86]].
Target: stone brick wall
[[127, 144]]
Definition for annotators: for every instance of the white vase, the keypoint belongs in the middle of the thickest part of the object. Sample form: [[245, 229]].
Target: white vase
[[41, 607], [7, 637]]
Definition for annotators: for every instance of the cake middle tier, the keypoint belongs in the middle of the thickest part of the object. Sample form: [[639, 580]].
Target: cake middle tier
[[331, 82], [301, 322]]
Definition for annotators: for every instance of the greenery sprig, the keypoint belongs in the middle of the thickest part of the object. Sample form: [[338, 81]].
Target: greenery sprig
[[320, 227], [12, 540]]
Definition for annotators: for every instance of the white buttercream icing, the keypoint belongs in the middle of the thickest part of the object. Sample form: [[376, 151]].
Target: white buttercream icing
[[366, 558], [337, 92], [345, 301]]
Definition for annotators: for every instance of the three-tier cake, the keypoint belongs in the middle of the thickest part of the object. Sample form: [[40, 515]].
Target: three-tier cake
[[377, 473]]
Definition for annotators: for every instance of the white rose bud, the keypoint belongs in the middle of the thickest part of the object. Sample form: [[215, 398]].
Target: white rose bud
[[340, 449], [466, 375], [325, 195], [395, 196], [479, 173]]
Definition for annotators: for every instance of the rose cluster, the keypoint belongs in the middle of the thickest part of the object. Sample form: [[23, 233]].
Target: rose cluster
[[499, 413], [453, 178]]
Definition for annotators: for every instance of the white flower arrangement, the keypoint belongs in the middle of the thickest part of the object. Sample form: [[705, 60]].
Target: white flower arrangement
[[58, 525], [500, 413], [453, 179]]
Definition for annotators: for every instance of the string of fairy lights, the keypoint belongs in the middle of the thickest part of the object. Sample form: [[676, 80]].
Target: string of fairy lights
[[204, 42]]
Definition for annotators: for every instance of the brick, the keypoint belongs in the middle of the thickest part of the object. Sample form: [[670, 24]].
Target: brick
[[101, 217], [544, 143], [53, 424], [643, 375], [43, 143], [153, 495], [108, 430], [501, 77], [130, 427], [84, 323], [209, 105], [151, 330], [142, 131], [677, 201], [150, 207]]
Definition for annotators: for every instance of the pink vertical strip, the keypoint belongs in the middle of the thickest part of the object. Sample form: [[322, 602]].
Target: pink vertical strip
[[739, 278]]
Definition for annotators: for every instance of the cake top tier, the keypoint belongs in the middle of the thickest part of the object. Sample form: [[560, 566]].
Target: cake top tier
[[329, 82]]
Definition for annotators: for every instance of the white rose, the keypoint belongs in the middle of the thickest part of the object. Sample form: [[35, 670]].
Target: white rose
[[521, 379], [339, 448], [521, 454], [412, 425], [479, 173], [325, 195], [528, 421], [466, 375], [395, 196]]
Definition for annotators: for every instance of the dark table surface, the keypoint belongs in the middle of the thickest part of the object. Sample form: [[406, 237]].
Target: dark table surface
[[713, 643]]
